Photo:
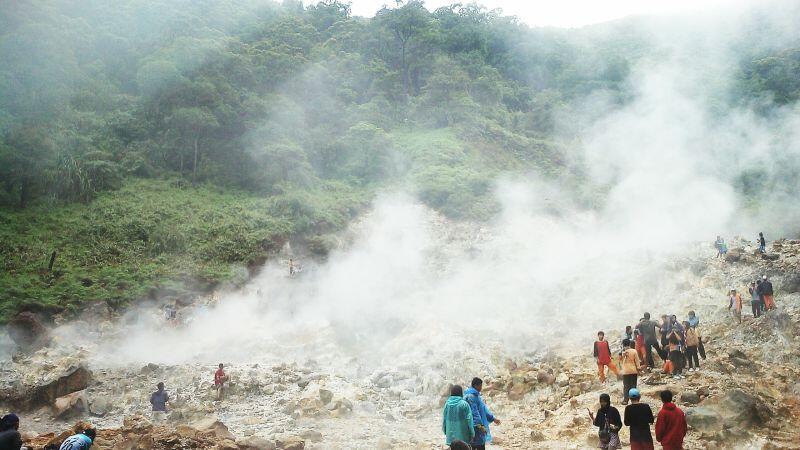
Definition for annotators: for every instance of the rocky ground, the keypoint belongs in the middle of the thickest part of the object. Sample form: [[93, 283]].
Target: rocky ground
[[745, 396]]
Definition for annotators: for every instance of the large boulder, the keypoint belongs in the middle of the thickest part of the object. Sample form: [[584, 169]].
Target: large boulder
[[74, 379], [734, 255], [790, 284], [256, 443], [213, 428], [74, 404], [742, 410], [28, 332], [704, 420]]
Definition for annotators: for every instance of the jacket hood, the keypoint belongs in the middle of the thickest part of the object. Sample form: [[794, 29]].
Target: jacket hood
[[472, 390], [454, 400], [669, 406]]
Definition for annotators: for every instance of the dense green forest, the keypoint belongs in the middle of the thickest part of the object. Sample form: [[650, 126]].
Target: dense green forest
[[149, 142]]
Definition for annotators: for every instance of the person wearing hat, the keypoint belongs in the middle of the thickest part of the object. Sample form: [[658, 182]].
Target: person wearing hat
[[9, 433], [639, 417]]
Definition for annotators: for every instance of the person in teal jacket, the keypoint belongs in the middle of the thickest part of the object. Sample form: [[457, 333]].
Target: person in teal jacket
[[481, 416], [457, 417]]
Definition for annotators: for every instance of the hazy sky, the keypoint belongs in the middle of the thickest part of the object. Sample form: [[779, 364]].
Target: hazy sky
[[561, 13]]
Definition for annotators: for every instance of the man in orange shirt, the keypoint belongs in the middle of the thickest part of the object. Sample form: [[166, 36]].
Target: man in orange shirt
[[602, 355], [219, 381]]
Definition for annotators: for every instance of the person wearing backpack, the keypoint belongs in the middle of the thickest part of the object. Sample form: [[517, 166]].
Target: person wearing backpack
[[608, 422]]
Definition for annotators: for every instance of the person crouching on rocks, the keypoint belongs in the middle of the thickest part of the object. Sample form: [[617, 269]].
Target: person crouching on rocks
[[80, 441], [159, 401], [609, 422]]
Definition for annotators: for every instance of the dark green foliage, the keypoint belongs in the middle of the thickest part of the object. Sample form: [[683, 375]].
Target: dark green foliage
[[128, 241], [274, 120]]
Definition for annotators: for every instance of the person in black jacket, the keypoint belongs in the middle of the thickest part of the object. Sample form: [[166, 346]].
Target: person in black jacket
[[609, 422], [639, 417], [10, 439], [767, 294]]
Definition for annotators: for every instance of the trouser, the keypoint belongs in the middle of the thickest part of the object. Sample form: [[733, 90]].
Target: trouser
[[640, 350], [737, 314], [220, 391], [756, 307], [159, 416], [769, 302], [601, 370], [648, 345], [676, 358], [478, 447], [762, 305], [691, 357], [628, 383], [642, 445]]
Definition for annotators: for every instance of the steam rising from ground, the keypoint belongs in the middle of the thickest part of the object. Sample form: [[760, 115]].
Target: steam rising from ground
[[545, 272]]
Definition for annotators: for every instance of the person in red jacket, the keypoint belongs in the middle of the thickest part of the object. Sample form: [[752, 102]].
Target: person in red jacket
[[602, 355], [670, 424]]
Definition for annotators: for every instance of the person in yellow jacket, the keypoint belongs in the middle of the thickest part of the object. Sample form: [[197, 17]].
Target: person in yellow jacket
[[630, 365]]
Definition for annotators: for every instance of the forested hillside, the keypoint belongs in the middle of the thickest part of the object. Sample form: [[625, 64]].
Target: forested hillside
[[146, 141]]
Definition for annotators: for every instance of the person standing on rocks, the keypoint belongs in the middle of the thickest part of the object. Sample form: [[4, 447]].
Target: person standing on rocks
[[631, 365], [675, 355], [609, 422], [762, 243], [159, 401], [694, 321], [219, 381], [760, 292], [10, 439], [692, 342], [721, 246], [648, 329], [602, 356], [639, 416], [638, 340], [457, 424], [481, 416], [670, 424], [735, 305], [80, 441], [755, 301], [766, 290]]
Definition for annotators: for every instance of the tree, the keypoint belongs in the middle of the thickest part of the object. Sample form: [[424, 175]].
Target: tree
[[409, 23], [192, 125], [25, 160]]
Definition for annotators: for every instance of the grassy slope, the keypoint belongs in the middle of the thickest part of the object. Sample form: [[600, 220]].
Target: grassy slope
[[151, 232]]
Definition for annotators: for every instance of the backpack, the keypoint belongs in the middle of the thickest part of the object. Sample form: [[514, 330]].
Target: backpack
[[605, 433]]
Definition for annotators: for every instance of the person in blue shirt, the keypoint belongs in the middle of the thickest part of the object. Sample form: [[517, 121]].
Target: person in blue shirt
[[80, 441], [481, 416]]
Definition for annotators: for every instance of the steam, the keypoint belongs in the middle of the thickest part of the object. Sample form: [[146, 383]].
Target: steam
[[545, 272]]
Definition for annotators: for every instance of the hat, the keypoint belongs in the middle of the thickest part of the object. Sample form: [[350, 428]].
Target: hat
[[634, 393], [764, 277]]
